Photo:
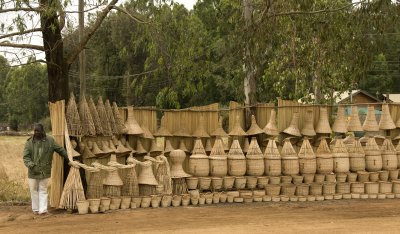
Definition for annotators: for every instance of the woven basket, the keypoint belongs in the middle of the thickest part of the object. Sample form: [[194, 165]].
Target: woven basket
[[308, 128], [319, 178], [374, 176], [394, 174], [389, 156], [343, 188], [323, 122], [192, 182], [330, 177], [240, 182], [385, 187], [328, 188], [316, 189], [307, 160], [396, 186], [290, 160], [363, 176], [340, 157], [351, 177], [288, 189], [308, 178], [383, 175], [204, 183], [199, 164], [254, 159], [373, 158], [262, 181], [218, 160], [251, 182], [297, 179], [398, 154], [228, 182], [293, 128], [273, 189], [386, 121], [371, 187], [236, 160], [340, 124], [370, 123], [357, 187], [274, 180], [254, 128], [272, 159], [357, 157], [271, 127], [341, 177], [286, 179], [354, 124], [216, 183], [324, 158], [302, 189]]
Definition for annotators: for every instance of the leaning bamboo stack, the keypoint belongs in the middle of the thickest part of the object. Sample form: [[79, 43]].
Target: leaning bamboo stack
[[57, 116], [95, 117], [88, 127], [72, 117], [105, 123], [110, 117]]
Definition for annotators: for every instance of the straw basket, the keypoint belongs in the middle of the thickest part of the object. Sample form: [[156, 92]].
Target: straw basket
[[386, 121], [192, 182], [290, 160], [340, 124], [155, 201], [198, 162], [228, 182], [262, 181], [307, 160], [273, 189], [354, 124], [204, 183], [351, 177], [254, 159], [373, 158], [394, 174], [308, 128], [236, 160], [396, 186], [343, 188], [385, 187], [216, 183], [302, 189], [324, 158], [328, 188], [341, 177], [398, 155], [286, 179], [240, 182], [251, 182], [357, 187], [374, 176], [316, 189], [218, 160], [297, 179], [272, 159], [357, 157], [371, 187], [274, 180], [370, 123], [363, 176], [166, 201], [330, 178], [340, 157], [308, 178], [271, 127], [288, 189], [319, 178], [293, 128], [383, 175], [323, 122], [83, 206], [389, 157]]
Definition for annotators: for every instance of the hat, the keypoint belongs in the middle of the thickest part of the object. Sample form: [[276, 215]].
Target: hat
[[162, 131], [293, 128], [272, 152], [146, 133], [354, 124], [198, 147], [219, 131], [139, 148], [370, 123], [308, 129], [254, 128], [340, 124], [270, 128], [323, 122], [386, 121], [168, 147], [177, 157], [237, 130], [132, 125], [200, 132], [118, 120]]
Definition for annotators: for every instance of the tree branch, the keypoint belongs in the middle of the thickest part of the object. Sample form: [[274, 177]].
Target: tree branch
[[90, 31], [130, 15], [23, 46], [21, 33], [36, 9]]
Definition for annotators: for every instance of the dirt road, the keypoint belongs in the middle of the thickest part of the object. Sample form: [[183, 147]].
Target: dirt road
[[343, 216]]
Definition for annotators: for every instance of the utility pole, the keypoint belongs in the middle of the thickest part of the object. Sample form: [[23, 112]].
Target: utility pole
[[82, 59]]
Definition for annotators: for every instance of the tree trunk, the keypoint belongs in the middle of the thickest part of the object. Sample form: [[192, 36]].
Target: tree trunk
[[57, 70]]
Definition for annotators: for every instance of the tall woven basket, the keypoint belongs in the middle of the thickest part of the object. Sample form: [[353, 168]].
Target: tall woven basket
[[373, 158], [199, 164], [324, 158], [272, 159], [290, 160], [357, 157], [340, 156], [307, 159], [389, 157], [218, 160], [236, 160], [254, 159]]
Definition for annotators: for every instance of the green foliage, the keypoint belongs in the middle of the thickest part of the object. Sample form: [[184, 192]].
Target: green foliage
[[4, 69]]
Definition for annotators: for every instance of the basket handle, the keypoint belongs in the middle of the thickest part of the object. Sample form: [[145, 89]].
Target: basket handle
[[387, 162], [374, 162]]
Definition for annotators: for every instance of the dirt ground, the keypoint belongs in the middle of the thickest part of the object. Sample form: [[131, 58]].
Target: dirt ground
[[342, 216]]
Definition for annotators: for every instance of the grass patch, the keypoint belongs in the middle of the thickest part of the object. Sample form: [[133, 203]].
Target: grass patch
[[11, 191]]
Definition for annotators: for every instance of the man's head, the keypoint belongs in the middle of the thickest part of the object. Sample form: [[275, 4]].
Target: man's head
[[38, 131]]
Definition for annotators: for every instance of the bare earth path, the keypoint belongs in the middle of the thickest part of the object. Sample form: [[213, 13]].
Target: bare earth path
[[343, 216]]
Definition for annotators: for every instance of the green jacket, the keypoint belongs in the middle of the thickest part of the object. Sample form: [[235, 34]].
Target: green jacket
[[38, 156]]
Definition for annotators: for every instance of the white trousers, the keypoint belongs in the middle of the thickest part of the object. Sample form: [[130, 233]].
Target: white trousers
[[39, 194]]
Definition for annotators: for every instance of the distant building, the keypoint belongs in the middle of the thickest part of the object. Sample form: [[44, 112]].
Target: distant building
[[355, 97], [392, 97]]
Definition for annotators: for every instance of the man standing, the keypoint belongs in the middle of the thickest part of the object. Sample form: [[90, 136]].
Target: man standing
[[38, 157]]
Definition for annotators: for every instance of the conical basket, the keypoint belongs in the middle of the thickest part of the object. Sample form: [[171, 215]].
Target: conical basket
[[323, 122], [293, 128], [72, 117], [354, 124], [340, 124], [236, 160], [177, 157], [389, 157], [200, 131], [87, 124], [290, 160], [254, 159], [272, 159], [95, 117], [340, 156], [308, 129], [386, 121], [139, 148], [254, 128], [357, 157], [132, 125], [119, 122], [146, 133], [307, 159], [168, 147], [110, 116], [370, 123], [324, 158], [271, 127], [146, 175], [162, 131], [155, 149], [105, 123], [237, 130], [219, 132]]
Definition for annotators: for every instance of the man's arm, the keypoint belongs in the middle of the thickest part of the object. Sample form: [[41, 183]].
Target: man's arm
[[27, 156], [60, 150]]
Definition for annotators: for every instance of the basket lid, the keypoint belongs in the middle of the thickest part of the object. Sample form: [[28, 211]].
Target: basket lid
[[235, 152], [293, 128], [155, 148], [323, 150], [254, 151], [272, 152], [340, 124], [356, 150], [237, 130], [288, 151], [220, 130], [308, 129], [370, 123], [306, 150], [200, 130], [271, 127], [198, 147], [323, 122], [139, 148], [339, 149], [131, 124], [354, 124], [386, 121], [146, 133], [162, 131], [218, 149], [254, 128], [388, 147]]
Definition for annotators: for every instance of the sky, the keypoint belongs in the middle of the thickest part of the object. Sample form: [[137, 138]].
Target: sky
[[187, 3]]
